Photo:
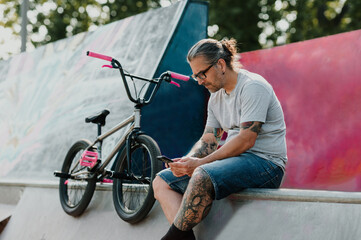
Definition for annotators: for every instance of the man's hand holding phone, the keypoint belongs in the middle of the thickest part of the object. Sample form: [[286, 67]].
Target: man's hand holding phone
[[184, 166], [165, 159]]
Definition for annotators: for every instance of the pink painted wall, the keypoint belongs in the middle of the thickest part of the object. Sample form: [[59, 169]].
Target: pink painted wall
[[319, 85]]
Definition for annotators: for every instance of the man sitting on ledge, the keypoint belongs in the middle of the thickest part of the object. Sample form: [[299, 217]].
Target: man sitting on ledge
[[254, 155]]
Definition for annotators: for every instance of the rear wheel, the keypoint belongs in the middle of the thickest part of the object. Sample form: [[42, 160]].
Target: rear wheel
[[75, 194], [133, 198]]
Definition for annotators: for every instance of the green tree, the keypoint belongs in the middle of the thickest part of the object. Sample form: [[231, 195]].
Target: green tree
[[267, 23], [254, 24], [322, 18], [238, 20]]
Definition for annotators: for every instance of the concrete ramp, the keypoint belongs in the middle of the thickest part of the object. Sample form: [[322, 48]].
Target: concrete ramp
[[251, 215], [39, 215]]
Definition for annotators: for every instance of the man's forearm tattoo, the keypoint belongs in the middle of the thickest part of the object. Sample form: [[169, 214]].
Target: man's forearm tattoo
[[253, 126], [205, 147], [196, 203], [217, 132]]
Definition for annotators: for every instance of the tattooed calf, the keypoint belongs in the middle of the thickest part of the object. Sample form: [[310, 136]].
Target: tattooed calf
[[197, 201]]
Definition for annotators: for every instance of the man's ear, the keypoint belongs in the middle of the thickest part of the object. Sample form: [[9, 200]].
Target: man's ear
[[222, 65]]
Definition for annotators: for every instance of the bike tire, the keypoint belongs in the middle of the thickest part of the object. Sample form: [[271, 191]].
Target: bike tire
[[75, 195], [133, 199]]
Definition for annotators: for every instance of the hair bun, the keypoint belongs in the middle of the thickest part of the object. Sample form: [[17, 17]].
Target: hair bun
[[230, 45]]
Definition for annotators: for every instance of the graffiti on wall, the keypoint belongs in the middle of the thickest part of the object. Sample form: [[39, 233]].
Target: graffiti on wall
[[318, 83]]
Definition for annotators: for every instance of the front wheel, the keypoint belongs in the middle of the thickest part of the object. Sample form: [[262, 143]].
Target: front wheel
[[133, 197], [76, 193]]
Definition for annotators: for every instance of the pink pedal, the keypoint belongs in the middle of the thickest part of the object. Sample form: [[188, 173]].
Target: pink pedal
[[106, 180], [88, 158], [66, 182]]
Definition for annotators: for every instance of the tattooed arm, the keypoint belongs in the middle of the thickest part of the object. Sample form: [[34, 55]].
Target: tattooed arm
[[239, 144], [207, 144]]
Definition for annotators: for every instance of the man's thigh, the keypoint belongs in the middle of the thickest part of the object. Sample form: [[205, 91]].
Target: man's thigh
[[234, 174], [178, 184]]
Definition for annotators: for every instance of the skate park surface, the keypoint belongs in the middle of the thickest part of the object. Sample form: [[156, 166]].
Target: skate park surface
[[45, 118], [253, 214]]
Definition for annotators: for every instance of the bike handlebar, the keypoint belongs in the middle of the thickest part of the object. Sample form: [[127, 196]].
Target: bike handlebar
[[166, 76], [100, 56], [179, 76]]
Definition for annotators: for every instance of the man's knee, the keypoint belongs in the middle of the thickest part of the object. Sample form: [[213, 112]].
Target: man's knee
[[159, 185], [200, 175], [201, 179]]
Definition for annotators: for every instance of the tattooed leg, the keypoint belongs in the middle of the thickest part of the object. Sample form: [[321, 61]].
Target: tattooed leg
[[197, 201]]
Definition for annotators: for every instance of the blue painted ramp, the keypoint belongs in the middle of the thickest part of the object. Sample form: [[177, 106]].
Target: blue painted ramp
[[178, 115]]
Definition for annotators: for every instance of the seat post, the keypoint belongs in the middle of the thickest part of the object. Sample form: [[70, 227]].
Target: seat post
[[99, 129], [100, 145]]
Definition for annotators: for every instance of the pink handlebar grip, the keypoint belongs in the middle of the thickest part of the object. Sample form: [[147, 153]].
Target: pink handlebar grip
[[100, 56], [179, 76]]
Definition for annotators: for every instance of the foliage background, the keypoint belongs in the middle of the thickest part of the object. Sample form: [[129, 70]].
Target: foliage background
[[254, 24]]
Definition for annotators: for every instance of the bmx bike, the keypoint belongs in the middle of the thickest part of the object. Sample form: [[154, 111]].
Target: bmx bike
[[135, 166]]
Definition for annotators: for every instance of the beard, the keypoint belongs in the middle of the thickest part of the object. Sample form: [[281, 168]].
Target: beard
[[211, 88], [217, 84]]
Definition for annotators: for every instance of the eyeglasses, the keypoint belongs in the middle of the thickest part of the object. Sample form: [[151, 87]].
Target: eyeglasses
[[201, 75]]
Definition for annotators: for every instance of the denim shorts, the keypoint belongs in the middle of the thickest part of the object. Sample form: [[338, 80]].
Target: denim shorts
[[232, 175]]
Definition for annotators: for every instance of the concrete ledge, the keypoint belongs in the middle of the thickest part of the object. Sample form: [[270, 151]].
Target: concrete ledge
[[45, 184], [297, 195], [28, 183], [292, 195]]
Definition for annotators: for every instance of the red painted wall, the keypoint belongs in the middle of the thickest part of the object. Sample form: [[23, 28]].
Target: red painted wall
[[318, 83]]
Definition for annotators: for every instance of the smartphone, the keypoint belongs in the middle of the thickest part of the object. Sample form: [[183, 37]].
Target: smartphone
[[164, 159]]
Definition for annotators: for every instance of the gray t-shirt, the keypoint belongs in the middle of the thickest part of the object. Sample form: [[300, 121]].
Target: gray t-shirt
[[253, 99]]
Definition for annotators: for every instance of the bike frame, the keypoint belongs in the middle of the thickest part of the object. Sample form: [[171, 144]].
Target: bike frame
[[133, 120], [130, 120]]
